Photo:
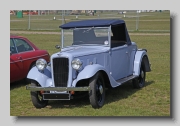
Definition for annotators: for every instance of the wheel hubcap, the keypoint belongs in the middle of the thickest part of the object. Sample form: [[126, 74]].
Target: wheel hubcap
[[142, 74], [101, 89]]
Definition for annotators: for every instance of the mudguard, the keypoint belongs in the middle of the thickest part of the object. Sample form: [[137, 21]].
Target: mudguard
[[42, 77], [139, 56], [91, 70]]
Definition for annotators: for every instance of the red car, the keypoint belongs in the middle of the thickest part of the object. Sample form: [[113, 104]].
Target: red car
[[23, 56]]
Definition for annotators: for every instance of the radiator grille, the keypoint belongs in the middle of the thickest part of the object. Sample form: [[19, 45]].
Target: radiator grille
[[60, 71]]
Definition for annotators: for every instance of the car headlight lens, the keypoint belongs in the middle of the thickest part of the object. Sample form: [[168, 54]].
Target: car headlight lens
[[41, 64], [76, 64]]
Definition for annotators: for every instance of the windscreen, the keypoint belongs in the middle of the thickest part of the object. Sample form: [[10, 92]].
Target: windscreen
[[85, 36]]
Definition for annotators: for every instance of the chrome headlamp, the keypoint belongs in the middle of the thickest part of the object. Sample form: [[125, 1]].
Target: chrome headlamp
[[76, 64], [41, 64]]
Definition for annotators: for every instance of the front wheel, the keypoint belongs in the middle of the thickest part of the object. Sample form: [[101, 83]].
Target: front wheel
[[37, 98], [97, 92]]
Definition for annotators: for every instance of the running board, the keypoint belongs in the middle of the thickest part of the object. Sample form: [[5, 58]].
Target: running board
[[123, 80]]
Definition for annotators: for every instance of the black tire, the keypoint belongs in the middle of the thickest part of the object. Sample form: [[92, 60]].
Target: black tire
[[36, 97], [140, 81], [97, 92]]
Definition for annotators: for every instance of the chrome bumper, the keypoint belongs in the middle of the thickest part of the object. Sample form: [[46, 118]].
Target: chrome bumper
[[33, 88]]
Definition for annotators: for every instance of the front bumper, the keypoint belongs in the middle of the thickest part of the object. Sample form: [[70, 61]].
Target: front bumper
[[57, 96], [34, 88]]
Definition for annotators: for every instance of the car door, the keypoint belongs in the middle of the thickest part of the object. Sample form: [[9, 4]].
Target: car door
[[119, 62], [16, 65], [25, 52]]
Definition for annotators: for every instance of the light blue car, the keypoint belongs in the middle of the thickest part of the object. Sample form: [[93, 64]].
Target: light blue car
[[95, 55]]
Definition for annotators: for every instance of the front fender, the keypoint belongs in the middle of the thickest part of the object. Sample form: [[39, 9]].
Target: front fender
[[43, 78], [138, 59], [88, 72], [91, 70]]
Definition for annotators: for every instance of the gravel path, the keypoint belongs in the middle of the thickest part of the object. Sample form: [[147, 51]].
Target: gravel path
[[58, 33]]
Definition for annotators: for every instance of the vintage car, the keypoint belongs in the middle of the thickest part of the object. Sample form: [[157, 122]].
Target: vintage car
[[23, 56], [95, 55]]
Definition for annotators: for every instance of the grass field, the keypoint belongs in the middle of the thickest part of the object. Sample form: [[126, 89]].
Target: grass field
[[152, 100]]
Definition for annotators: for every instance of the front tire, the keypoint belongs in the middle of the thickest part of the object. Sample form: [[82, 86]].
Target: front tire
[[140, 81], [36, 97], [97, 92]]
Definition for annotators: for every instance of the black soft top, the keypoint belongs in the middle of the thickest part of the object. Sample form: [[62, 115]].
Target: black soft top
[[118, 27], [92, 23]]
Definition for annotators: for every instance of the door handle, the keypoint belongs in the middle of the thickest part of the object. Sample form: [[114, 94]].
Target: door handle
[[19, 58], [126, 52]]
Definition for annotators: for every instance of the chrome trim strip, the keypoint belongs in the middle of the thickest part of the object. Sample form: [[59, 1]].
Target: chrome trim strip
[[35, 57], [62, 38], [29, 58]]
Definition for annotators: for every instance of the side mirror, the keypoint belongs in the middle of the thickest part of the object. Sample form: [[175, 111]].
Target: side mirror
[[57, 47], [10, 53]]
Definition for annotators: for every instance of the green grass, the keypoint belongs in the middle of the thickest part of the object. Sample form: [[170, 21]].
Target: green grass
[[152, 100]]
